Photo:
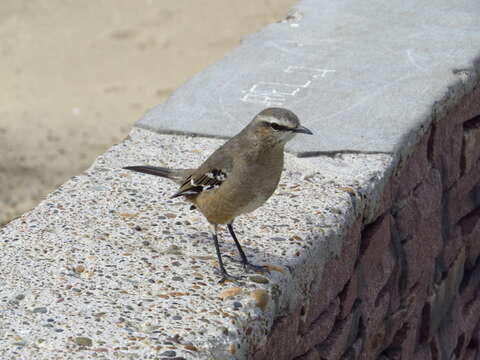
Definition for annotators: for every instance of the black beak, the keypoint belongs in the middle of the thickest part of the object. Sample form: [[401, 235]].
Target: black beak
[[302, 129]]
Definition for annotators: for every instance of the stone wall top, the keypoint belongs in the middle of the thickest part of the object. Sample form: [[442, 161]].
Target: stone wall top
[[364, 76]]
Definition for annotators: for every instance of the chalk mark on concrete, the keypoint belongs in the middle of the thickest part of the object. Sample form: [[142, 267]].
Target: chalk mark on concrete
[[270, 93]]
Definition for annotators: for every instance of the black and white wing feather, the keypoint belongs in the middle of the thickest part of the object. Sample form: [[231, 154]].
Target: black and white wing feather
[[212, 173], [198, 182]]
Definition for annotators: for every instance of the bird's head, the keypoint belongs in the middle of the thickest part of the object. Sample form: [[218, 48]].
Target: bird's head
[[277, 126]]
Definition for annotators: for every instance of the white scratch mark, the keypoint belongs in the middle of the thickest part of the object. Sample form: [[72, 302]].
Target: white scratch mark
[[412, 61]]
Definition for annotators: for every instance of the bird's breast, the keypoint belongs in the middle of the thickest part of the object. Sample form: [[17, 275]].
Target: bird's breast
[[245, 189]]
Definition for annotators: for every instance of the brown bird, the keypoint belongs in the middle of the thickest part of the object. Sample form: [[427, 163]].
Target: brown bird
[[238, 177]]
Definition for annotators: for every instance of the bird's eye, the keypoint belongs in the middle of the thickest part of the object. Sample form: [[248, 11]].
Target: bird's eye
[[276, 127]]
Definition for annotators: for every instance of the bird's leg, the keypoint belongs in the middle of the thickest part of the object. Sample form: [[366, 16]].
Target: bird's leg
[[223, 273], [244, 261]]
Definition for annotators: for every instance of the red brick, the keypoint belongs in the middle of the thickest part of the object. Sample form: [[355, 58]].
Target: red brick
[[282, 340], [471, 144], [393, 288], [340, 338], [376, 261], [429, 234], [403, 326], [456, 331], [385, 202], [353, 351], [403, 344], [448, 337], [423, 353], [467, 108], [469, 228], [475, 340], [334, 276], [435, 348], [471, 314], [464, 196], [424, 202], [348, 295], [321, 327], [470, 301], [446, 147], [454, 244], [408, 345], [470, 354], [421, 251], [407, 216], [375, 330], [439, 306], [447, 151], [473, 248], [396, 320], [311, 355], [400, 342], [419, 266], [411, 171], [428, 194]]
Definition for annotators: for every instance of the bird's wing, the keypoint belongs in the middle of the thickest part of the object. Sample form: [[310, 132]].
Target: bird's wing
[[210, 175], [197, 182]]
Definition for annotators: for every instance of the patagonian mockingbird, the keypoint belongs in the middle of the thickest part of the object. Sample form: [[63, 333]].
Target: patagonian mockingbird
[[238, 177]]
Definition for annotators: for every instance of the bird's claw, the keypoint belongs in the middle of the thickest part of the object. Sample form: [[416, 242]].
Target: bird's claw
[[227, 277], [257, 268], [249, 266]]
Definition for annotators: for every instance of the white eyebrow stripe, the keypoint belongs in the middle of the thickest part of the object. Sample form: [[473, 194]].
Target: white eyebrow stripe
[[281, 122]]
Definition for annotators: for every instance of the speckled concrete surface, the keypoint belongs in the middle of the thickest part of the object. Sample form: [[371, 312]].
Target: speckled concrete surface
[[109, 267]]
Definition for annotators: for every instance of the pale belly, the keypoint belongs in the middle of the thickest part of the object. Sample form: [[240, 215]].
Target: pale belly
[[242, 192], [222, 205]]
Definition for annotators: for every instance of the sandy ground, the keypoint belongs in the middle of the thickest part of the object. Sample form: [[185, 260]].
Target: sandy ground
[[77, 74]]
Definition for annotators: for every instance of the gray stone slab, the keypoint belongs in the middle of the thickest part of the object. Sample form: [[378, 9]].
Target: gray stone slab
[[364, 75], [109, 267]]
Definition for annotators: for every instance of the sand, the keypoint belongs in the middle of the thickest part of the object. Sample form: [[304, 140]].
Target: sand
[[76, 75]]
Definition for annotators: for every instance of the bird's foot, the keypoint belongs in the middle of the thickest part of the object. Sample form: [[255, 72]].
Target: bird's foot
[[249, 266], [224, 276], [257, 268]]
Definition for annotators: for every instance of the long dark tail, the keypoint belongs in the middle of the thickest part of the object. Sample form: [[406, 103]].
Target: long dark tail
[[176, 175]]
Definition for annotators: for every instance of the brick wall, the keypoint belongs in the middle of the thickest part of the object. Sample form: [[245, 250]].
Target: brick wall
[[407, 285]]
